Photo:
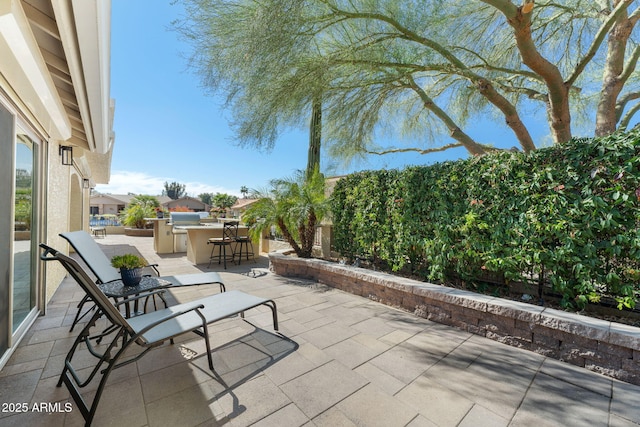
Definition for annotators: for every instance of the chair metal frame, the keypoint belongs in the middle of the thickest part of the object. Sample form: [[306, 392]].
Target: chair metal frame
[[229, 235], [246, 242], [147, 330], [87, 248]]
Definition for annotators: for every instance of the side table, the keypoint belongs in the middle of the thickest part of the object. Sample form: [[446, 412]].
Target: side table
[[118, 290]]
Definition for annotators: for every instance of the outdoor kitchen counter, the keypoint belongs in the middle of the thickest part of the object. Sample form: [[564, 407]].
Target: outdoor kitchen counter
[[198, 251], [162, 236]]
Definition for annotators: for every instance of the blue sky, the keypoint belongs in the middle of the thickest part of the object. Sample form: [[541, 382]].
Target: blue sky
[[167, 129]]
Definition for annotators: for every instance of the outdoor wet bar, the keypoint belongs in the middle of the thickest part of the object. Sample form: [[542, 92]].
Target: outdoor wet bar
[[185, 231], [198, 251], [162, 235]]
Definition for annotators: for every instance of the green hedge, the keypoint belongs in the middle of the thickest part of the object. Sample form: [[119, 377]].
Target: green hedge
[[567, 215]]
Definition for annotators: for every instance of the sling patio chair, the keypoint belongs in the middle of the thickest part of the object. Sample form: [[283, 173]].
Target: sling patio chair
[[87, 248], [147, 330]]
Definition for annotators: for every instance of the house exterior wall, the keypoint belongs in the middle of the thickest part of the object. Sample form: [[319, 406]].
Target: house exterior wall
[[110, 209], [29, 95], [57, 216], [190, 203], [107, 205]]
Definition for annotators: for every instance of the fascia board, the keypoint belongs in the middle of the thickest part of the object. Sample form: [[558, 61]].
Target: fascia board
[[85, 29], [25, 70]]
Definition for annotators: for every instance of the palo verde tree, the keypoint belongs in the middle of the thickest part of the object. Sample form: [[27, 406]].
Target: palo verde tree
[[239, 51], [421, 69], [265, 92]]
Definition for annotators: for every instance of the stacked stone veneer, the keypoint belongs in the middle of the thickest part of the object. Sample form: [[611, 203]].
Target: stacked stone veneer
[[609, 348]]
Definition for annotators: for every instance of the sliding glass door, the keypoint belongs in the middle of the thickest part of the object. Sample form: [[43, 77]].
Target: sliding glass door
[[24, 283], [20, 172]]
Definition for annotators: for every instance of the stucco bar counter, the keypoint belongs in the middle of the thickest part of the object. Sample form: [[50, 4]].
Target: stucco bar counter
[[162, 235], [198, 251]]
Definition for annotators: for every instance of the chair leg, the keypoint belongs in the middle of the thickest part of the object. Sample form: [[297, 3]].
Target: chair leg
[[224, 250], [245, 244], [239, 252], [222, 254], [73, 382], [253, 254], [78, 317]]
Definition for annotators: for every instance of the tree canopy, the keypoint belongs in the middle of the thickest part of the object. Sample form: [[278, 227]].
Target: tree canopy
[[206, 198], [295, 205], [141, 207], [223, 200], [418, 71], [174, 191]]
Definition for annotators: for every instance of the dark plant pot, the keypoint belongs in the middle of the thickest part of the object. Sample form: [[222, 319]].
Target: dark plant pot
[[131, 276], [159, 214]]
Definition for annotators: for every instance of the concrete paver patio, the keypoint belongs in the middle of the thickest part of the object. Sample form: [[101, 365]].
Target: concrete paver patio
[[341, 360]]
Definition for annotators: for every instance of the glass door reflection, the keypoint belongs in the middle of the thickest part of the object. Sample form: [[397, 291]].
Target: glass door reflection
[[23, 280]]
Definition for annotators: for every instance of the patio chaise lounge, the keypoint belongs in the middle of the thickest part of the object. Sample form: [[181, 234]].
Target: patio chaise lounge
[[100, 266], [147, 330]]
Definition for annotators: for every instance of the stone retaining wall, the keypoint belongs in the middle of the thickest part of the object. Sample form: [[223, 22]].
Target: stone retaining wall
[[610, 348]]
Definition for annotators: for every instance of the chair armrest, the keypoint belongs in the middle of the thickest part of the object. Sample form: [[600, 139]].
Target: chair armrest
[[154, 267]]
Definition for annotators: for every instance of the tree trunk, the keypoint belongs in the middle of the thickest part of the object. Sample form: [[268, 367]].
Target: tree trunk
[[511, 116], [558, 98], [315, 137], [287, 236], [307, 235], [612, 81]]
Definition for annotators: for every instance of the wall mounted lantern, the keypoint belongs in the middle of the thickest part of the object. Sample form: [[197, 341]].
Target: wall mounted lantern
[[86, 183], [66, 152]]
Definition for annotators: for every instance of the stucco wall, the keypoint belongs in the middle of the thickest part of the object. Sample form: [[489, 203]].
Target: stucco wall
[[58, 203], [105, 205]]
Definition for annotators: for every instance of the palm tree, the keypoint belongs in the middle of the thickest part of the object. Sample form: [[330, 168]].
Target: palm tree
[[295, 206], [224, 201], [244, 190], [140, 208]]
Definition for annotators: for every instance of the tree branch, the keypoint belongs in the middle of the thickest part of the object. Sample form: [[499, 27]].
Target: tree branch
[[559, 112], [597, 41], [427, 150], [404, 31], [508, 9], [623, 101], [456, 133], [631, 64], [487, 66], [624, 123], [614, 71], [417, 150], [634, 16]]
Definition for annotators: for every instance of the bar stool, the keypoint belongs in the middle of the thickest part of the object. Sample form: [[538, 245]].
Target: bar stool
[[229, 234], [244, 241]]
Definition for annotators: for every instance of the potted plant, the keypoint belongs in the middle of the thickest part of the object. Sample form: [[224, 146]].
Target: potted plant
[[130, 266]]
